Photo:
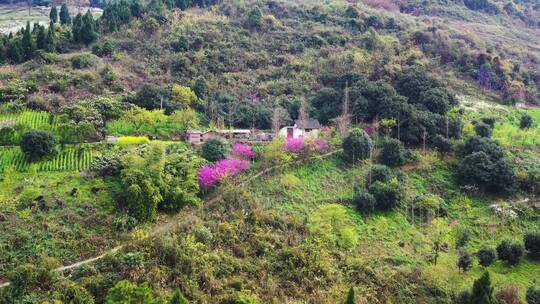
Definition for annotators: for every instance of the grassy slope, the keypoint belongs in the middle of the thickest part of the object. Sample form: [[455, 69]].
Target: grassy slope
[[68, 227], [378, 237]]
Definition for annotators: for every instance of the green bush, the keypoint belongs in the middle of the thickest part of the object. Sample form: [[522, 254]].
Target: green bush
[[393, 153], [108, 164], [531, 241], [81, 61], [442, 144], [73, 293], [387, 195], [487, 256], [509, 252], [380, 173], [103, 48], [37, 144], [482, 129], [464, 261], [533, 295], [126, 292], [484, 166], [525, 121], [364, 202], [213, 150], [357, 146]]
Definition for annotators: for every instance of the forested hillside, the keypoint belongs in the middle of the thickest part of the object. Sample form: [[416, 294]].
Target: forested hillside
[[421, 185]]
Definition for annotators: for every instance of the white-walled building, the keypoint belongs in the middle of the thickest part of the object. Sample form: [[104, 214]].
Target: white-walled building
[[308, 128]]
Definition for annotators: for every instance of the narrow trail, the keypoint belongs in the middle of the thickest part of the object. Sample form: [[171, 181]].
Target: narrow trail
[[171, 223]]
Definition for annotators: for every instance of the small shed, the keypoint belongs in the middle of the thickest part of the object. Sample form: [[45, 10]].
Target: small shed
[[308, 128], [194, 137]]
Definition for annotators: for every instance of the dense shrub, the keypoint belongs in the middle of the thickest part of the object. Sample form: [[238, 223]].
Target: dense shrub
[[490, 121], [531, 241], [482, 129], [464, 261], [463, 238], [155, 179], [38, 143], [213, 150], [533, 295], [509, 252], [152, 97], [387, 195], [475, 169], [364, 202], [380, 173], [357, 146], [479, 144], [108, 164], [30, 277], [442, 144], [484, 166], [393, 153], [74, 293], [103, 48], [487, 256], [127, 292], [81, 61], [525, 121]]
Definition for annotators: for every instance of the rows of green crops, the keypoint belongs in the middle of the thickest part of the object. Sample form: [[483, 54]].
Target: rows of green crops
[[69, 158], [32, 119], [23, 121]]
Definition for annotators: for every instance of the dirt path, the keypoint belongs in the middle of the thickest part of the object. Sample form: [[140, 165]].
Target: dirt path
[[170, 223]]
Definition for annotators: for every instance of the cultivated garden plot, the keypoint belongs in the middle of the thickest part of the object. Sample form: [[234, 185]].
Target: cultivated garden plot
[[69, 158]]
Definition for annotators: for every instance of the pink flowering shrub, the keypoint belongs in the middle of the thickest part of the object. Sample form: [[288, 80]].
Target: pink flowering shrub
[[319, 146], [211, 174], [243, 151], [294, 145]]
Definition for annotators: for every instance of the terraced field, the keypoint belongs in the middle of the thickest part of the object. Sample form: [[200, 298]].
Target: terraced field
[[68, 158]]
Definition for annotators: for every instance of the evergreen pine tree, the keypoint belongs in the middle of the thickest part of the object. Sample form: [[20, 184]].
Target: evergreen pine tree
[[53, 15], [87, 31], [27, 43], [351, 298], [77, 28], [41, 38], [64, 14], [51, 38], [178, 298], [14, 51], [482, 292]]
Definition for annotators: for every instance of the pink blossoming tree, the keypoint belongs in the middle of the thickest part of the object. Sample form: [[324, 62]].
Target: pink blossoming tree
[[243, 151], [294, 145], [212, 174]]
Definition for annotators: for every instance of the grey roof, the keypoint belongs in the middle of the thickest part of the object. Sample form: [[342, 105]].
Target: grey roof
[[307, 124]]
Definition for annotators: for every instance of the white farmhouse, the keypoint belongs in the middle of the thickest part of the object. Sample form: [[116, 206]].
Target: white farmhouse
[[308, 128]]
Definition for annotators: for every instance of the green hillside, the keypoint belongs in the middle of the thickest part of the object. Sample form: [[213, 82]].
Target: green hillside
[[421, 186]]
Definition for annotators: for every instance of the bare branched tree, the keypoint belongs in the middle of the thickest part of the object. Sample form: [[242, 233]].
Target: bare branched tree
[[344, 120]]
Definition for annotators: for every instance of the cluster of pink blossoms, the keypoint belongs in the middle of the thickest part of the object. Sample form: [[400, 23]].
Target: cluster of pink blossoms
[[211, 174], [298, 145], [294, 145], [319, 145], [243, 151]]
